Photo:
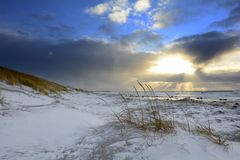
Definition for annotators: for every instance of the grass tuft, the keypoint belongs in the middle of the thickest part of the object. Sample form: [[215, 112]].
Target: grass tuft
[[208, 132], [147, 118]]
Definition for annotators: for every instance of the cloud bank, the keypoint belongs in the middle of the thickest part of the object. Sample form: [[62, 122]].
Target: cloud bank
[[205, 47], [85, 63], [96, 64]]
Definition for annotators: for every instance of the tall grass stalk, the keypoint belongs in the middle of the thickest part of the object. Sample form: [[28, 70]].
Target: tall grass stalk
[[1, 98], [148, 117]]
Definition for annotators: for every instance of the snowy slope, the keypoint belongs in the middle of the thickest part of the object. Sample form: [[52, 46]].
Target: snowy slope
[[79, 125]]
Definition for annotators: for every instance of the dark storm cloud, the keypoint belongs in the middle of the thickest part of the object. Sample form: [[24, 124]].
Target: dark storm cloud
[[204, 47], [136, 39], [93, 64], [86, 62], [199, 76], [218, 77], [139, 38], [232, 20]]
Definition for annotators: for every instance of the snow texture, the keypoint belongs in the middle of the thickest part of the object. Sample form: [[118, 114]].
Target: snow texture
[[78, 125]]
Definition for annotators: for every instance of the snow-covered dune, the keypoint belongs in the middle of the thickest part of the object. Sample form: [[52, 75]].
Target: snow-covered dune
[[77, 125], [37, 124]]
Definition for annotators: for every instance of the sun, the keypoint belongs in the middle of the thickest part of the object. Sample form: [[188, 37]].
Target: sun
[[173, 65]]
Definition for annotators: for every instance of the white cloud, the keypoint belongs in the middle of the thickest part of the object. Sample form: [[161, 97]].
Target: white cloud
[[142, 5], [161, 19], [99, 9], [117, 10], [121, 3], [119, 15]]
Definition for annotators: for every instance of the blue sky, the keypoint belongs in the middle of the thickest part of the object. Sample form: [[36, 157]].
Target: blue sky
[[149, 29], [19, 16]]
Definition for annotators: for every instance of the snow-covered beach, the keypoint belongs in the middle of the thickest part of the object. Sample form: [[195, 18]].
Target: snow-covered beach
[[81, 125]]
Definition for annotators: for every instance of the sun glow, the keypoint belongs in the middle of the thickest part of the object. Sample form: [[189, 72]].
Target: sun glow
[[173, 65]]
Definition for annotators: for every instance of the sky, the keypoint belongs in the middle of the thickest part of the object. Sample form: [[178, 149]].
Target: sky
[[190, 45]]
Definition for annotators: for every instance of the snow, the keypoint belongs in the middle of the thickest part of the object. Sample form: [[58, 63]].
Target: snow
[[78, 125], [185, 147]]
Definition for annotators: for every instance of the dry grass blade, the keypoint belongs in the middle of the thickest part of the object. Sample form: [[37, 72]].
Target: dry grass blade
[[147, 118], [136, 91], [1, 98], [141, 85], [209, 132]]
